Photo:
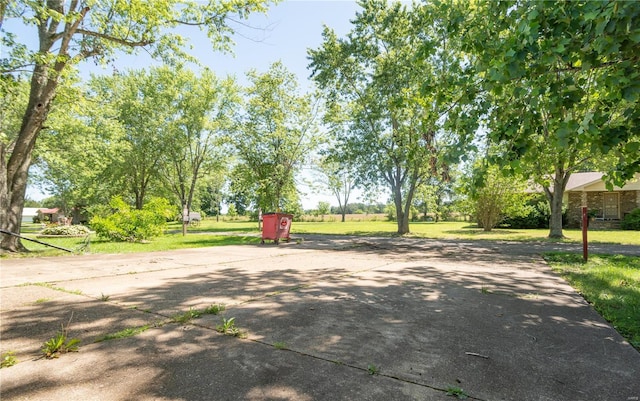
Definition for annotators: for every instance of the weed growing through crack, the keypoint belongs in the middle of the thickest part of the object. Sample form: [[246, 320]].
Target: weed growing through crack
[[128, 332], [280, 345], [186, 316], [192, 313], [8, 359], [61, 343], [214, 309], [53, 287], [373, 369], [42, 300], [228, 327], [104, 298], [457, 392]]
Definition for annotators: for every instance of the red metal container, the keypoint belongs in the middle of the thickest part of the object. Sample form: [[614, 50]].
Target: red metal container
[[276, 226]]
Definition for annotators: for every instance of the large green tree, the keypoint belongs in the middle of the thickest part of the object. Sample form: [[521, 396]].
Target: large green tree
[[203, 111], [563, 81], [76, 154], [143, 103], [69, 32], [391, 91], [277, 131], [134, 132]]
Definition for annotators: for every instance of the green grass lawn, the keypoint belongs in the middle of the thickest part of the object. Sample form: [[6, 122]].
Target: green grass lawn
[[227, 232], [163, 243], [173, 239], [611, 283], [460, 230], [440, 230]]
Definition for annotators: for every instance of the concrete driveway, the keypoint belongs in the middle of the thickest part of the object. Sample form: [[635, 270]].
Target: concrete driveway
[[333, 318]]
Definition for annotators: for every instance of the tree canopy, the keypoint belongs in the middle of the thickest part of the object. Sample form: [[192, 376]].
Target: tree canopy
[[396, 92], [545, 88], [276, 132], [562, 82], [69, 32]]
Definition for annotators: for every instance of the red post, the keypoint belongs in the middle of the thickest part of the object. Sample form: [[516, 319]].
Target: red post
[[585, 223]]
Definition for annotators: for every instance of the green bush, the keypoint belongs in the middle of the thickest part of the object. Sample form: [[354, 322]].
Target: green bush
[[632, 220], [132, 225], [535, 213], [390, 211], [231, 211], [65, 230]]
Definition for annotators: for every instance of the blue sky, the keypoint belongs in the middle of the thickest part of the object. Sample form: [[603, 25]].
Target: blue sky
[[283, 34]]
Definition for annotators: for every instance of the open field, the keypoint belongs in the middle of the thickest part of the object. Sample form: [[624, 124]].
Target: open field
[[462, 230], [241, 231], [363, 225]]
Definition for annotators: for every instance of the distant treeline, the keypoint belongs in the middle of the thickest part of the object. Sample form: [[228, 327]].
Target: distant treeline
[[360, 208]]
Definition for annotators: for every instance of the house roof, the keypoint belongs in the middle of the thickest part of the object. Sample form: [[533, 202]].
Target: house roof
[[48, 211], [593, 181], [577, 181]]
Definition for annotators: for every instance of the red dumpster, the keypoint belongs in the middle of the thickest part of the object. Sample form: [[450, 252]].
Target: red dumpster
[[276, 226]]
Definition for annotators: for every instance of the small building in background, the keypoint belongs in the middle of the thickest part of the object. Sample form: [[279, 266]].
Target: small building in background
[[28, 213], [50, 215]]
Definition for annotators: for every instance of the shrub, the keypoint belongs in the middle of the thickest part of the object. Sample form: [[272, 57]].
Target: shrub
[[534, 214], [390, 211], [631, 221], [65, 230], [132, 225], [231, 211]]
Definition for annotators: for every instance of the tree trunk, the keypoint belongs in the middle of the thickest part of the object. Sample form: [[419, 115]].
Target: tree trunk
[[342, 205], [402, 210], [555, 202], [407, 203], [15, 170], [44, 84], [10, 207], [399, 212], [139, 199], [403, 226], [555, 222]]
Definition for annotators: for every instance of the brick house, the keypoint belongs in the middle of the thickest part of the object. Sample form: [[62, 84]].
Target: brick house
[[609, 207]]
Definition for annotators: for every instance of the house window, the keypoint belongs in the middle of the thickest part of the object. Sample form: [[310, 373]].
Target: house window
[[611, 205]]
